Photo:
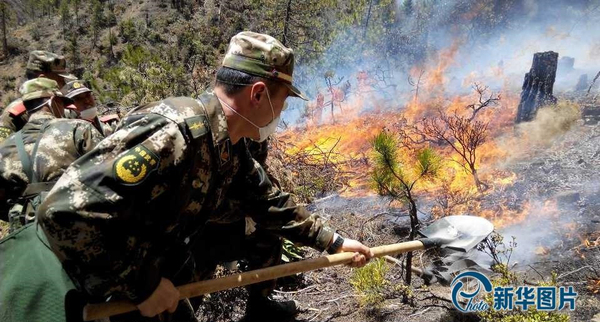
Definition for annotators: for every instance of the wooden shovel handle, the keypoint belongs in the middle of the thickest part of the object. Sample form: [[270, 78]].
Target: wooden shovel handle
[[103, 310]]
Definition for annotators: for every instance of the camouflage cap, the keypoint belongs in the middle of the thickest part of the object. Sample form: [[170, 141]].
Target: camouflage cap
[[38, 88], [46, 62], [74, 88], [264, 56]]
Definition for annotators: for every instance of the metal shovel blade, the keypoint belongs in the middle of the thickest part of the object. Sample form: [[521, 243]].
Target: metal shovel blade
[[460, 233]]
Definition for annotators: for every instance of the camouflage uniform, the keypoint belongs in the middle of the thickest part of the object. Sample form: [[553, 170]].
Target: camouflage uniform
[[61, 141], [148, 189], [14, 116], [160, 190]]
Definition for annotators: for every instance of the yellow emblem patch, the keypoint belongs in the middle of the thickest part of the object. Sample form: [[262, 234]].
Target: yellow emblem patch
[[76, 85], [135, 165], [4, 132]]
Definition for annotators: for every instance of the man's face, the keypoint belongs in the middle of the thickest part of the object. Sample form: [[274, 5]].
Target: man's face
[[277, 94], [84, 101]]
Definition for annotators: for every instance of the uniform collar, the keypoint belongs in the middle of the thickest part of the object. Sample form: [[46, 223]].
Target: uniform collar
[[218, 128], [216, 118], [41, 115]]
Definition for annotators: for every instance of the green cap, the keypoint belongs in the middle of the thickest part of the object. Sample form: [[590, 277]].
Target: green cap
[[74, 88], [264, 56], [39, 88], [46, 62]]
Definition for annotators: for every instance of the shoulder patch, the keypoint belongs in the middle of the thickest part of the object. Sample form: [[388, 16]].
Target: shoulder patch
[[197, 125], [135, 165], [4, 132], [17, 109]]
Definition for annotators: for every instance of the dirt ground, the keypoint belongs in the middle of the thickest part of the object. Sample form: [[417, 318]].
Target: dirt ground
[[327, 295]]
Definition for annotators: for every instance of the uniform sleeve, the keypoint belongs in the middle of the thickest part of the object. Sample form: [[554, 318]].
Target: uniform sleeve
[[98, 217], [86, 137], [7, 126], [274, 210]]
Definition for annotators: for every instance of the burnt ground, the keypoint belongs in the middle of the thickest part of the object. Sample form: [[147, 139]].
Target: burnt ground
[[560, 182]]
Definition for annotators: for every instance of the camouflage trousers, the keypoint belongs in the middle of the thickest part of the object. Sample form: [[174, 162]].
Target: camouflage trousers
[[219, 244]]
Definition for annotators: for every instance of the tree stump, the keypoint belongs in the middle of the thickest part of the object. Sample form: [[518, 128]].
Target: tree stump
[[566, 65], [582, 83], [538, 86]]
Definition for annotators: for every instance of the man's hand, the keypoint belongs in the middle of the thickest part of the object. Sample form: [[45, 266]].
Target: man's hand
[[164, 298], [362, 253]]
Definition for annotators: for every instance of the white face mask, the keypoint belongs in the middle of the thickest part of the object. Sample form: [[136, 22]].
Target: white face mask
[[56, 111], [263, 131], [48, 102], [89, 114]]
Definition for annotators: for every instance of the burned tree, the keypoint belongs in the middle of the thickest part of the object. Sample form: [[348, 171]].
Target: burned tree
[[464, 135], [483, 101], [397, 180], [4, 14], [538, 86], [416, 84], [338, 92]]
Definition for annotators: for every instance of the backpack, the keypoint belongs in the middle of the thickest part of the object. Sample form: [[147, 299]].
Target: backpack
[[33, 284], [23, 209]]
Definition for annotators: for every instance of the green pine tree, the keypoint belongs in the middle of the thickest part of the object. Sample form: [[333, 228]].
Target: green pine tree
[[394, 179], [64, 17], [97, 20]]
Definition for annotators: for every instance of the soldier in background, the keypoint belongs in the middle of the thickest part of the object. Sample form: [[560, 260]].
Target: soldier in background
[[41, 64], [84, 106], [33, 158]]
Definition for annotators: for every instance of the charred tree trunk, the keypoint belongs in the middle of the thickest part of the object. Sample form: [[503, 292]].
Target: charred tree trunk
[[286, 22], [368, 18], [4, 40], [414, 226], [538, 86]]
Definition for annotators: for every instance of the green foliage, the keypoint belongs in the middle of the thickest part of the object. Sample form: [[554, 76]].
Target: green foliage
[[35, 31], [142, 76], [291, 252], [64, 15], [531, 315], [111, 18], [370, 282], [73, 49], [97, 19], [428, 164], [127, 30], [501, 252], [395, 179]]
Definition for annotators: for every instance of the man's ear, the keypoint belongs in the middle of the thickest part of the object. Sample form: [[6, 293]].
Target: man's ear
[[257, 92]]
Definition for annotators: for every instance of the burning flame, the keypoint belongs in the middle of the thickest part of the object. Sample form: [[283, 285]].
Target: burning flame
[[343, 131]]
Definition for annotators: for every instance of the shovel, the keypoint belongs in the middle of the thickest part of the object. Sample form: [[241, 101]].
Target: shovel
[[460, 233]]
